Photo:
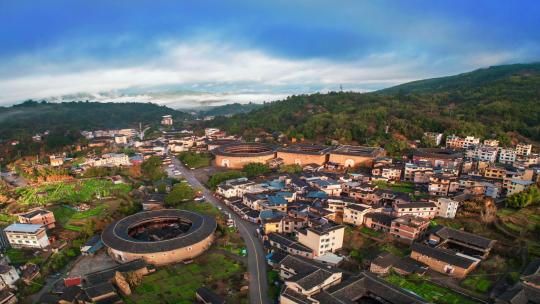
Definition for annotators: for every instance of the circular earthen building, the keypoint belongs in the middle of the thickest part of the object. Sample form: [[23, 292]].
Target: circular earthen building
[[237, 155], [159, 237]]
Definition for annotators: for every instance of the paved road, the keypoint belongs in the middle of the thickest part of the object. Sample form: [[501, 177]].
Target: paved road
[[258, 285]]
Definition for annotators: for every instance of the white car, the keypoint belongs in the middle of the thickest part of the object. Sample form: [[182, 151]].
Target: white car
[[177, 173], [171, 166]]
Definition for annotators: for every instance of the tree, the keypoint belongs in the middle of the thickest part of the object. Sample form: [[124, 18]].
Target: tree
[[525, 198], [255, 169], [152, 168], [290, 169], [220, 177], [181, 192]]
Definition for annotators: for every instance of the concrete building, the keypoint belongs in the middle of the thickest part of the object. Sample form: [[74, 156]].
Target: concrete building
[[322, 239], [167, 120], [456, 142], [507, 155], [483, 153], [109, 160], [9, 275], [56, 161], [523, 149], [408, 228], [236, 156], [39, 217], [421, 209], [27, 236], [446, 207], [354, 213]]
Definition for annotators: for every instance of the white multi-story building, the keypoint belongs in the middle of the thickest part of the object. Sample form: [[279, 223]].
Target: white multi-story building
[[446, 207], [27, 236], [507, 155], [456, 142], [523, 149], [167, 120], [322, 239], [483, 153], [8, 275], [109, 160]]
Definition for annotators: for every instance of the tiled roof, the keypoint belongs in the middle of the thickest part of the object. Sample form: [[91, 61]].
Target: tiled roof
[[444, 255]]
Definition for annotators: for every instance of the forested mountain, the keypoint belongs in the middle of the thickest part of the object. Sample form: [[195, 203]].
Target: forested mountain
[[229, 109], [33, 117], [498, 102]]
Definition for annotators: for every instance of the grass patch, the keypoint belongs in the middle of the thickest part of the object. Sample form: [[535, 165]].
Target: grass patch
[[477, 283], [204, 208], [405, 187], [429, 291], [178, 283], [371, 232], [195, 160]]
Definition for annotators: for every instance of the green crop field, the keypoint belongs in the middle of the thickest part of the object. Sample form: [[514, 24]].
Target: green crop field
[[178, 283], [70, 192], [429, 291]]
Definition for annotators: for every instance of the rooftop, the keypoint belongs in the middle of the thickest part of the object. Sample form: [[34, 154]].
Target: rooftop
[[25, 228]]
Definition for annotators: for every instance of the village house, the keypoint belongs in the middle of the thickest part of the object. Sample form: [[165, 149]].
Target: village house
[[27, 236], [8, 275], [425, 210], [378, 221], [109, 160], [446, 207], [453, 252], [442, 185], [305, 277], [507, 155], [491, 142], [56, 161], [234, 187], [329, 186], [408, 228], [456, 142], [444, 260], [289, 245], [523, 149], [389, 172], [322, 239], [483, 153], [438, 158], [417, 173], [354, 213], [405, 266], [478, 185], [41, 217]]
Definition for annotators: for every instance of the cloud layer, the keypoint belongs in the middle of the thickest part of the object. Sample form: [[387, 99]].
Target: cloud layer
[[210, 52]]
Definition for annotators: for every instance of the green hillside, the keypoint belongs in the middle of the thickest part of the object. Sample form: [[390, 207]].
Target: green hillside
[[469, 81], [229, 109], [32, 117], [499, 102]]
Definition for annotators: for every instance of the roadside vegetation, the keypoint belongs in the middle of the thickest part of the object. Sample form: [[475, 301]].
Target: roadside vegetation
[[195, 160]]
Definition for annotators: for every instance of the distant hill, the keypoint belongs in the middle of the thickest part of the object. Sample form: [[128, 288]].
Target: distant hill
[[228, 109], [468, 81], [500, 102], [32, 117]]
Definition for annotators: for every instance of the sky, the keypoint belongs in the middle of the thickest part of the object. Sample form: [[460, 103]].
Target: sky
[[191, 53]]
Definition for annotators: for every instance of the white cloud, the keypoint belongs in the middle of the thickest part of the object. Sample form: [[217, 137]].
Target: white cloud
[[219, 73]]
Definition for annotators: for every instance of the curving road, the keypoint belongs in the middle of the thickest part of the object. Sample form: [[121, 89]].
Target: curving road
[[258, 284]]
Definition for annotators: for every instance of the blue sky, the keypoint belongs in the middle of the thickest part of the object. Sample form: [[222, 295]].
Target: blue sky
[[185, 53]]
